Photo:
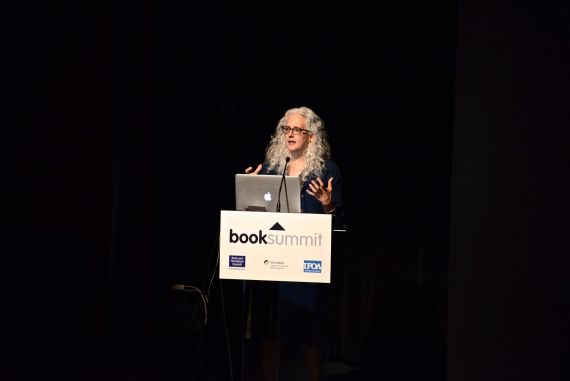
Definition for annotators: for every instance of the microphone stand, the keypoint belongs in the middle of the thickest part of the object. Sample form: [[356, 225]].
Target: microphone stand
[[280, 185], [286, 195]]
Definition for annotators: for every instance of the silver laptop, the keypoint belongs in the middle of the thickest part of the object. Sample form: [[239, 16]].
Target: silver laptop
[[259, 193]]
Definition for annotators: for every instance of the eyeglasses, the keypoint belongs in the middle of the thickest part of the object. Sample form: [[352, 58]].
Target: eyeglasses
[[296, 130]]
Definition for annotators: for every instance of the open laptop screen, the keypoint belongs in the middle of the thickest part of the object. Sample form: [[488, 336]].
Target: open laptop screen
[[259, 192]]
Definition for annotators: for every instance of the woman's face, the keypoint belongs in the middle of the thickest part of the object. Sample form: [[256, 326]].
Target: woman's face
[[296, 144]]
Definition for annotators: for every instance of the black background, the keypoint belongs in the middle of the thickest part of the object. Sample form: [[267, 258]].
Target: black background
[[446, 120]]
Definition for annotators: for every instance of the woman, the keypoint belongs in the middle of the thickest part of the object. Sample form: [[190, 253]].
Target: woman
[[300, 136]]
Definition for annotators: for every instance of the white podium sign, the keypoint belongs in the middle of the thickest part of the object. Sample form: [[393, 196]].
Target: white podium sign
[[293, 247]]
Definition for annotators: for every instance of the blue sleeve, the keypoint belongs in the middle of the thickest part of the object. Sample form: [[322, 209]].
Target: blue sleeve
[[333, 171], [266, 171], [311, 205]]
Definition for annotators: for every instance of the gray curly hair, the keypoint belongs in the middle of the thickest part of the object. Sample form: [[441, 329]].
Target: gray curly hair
[[316, 153]]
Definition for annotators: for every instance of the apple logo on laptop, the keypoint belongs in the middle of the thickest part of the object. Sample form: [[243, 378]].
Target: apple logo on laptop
[[267, 196]]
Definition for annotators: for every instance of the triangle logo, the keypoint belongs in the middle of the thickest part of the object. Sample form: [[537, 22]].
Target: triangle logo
[[277, 227]]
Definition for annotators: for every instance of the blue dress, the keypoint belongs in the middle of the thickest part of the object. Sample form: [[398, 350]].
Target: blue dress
[[304, 295]]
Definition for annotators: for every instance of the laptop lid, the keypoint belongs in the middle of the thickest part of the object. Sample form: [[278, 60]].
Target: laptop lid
[[259, 192]]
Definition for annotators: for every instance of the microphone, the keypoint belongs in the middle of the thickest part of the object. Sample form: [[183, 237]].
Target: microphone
[[287, 159]]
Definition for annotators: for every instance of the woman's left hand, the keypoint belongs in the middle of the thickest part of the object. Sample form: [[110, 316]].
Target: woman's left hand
[[322, 193]]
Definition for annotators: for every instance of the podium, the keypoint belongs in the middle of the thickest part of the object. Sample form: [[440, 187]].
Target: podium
[[292, 247], [273, 247]]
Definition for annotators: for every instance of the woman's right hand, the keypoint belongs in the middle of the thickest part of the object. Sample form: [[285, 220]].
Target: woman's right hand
[[249, 170]]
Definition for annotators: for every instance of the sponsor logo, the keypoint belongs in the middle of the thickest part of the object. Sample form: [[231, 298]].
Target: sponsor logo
[[237, 261], [275, 265], [310, 266]]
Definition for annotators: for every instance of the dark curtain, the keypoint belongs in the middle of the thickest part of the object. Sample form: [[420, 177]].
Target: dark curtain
[[151, 108], [383, 83], [126, 122]]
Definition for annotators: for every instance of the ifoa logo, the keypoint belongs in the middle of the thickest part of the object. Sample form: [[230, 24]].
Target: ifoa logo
[[312, 266], [274, 237]]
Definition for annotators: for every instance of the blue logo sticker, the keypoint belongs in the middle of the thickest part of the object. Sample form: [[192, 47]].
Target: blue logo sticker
[[312, 266], [237, 260]]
